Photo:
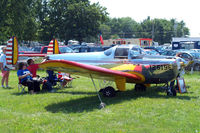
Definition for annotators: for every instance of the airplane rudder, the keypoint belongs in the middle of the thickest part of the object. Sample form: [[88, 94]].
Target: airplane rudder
[[12, 51], [56, 47]]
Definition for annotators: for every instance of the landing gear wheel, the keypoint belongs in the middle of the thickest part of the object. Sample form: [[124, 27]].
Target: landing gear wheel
[[171, 92], [140, 87], [109, 92]]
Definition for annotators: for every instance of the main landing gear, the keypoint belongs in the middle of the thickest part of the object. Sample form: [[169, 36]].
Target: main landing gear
[[171, 89], [171, 92], [102, 105], [108, 91]]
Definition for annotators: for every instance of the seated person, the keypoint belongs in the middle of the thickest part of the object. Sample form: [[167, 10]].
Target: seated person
[[50, 81], [32, 67], [25, 78]]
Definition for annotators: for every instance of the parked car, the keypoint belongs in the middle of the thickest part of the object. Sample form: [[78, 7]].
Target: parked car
[[85, 48], [195, 50], [169, 53], [159, 49], [151, 52], [43, 50], [194, 56]]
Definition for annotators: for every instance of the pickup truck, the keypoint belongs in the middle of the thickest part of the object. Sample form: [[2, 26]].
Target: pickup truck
[[41, 51]]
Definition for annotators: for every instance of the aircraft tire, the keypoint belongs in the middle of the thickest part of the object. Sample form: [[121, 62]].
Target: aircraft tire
[[109, 92], [172, 92]]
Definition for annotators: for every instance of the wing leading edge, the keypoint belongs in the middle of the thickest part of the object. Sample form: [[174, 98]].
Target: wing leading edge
[[85, 70]]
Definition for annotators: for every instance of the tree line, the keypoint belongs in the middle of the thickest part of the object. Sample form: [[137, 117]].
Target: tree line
[[80, 20]]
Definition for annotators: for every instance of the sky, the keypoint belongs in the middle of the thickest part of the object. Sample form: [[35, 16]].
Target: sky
[[186, 10]]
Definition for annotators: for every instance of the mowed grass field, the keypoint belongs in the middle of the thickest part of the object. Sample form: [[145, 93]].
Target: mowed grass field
[[75, 110]]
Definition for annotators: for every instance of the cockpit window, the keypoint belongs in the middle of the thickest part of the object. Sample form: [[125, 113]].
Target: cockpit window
[[121, 53], [108, 52], [135, 53]]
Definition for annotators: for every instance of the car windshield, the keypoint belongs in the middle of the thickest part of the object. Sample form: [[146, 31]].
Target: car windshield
[[65, 50]]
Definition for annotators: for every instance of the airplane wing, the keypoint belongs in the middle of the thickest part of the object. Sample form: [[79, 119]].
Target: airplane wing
[[87, 70]]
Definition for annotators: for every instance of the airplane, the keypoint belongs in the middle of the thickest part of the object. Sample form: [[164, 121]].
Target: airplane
[[121, 64]]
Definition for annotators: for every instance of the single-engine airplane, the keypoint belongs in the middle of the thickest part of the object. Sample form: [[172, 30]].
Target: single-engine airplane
[[121, 64]]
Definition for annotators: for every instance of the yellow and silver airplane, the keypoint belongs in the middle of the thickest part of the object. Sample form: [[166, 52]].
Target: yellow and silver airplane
[[121, 64]]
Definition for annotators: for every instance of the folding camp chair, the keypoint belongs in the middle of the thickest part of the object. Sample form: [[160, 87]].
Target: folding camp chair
[[66, 79], [21, 87]]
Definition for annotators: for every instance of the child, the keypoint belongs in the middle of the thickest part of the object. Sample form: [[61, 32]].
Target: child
[[4, 68]]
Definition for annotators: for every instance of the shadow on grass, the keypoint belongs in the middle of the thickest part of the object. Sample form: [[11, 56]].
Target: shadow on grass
[[90, 103], [19, 93], [77, 92], [8, 88]]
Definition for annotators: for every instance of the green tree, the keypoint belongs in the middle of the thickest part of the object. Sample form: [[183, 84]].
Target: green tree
[[76, 19], [161, 30], [18, 19], [123, 27], [106, 31]]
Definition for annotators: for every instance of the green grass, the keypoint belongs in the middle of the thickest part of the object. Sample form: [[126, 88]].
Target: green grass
[[76, 110]]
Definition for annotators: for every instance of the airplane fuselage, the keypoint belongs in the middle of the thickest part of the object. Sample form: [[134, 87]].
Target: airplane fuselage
[[153, 69]]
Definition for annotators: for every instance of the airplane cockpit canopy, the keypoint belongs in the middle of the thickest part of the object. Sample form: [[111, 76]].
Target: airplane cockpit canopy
[[136, 52], [121, 53], [125, 51], [108, 52]]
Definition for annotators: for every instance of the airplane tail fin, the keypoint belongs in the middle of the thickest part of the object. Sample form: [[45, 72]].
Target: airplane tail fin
[[12, 51], [53, 47]]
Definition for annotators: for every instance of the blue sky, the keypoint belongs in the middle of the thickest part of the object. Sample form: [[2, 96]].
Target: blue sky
[[186, 10]]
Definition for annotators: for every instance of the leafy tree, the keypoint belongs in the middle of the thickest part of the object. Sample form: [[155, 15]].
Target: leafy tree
[[161, 30], [17, 19], [123, 27], [106, 31], [76, 19]]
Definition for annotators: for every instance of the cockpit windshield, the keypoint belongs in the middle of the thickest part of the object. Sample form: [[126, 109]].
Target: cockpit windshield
[[108, 52], [135, 52], [121, 53]]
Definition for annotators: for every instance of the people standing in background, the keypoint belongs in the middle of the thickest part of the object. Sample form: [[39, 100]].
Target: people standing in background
[[4, 68]]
